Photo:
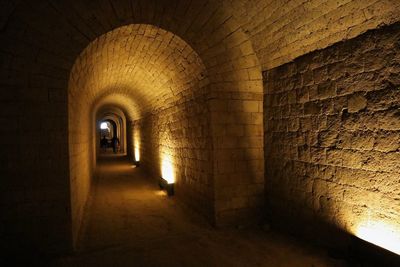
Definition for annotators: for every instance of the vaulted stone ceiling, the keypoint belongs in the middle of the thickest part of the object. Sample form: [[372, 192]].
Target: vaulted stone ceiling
[[279, 30], [40, 42], [144, 67]]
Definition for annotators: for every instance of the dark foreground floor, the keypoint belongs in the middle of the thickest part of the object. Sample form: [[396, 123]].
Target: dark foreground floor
[[130, 222]]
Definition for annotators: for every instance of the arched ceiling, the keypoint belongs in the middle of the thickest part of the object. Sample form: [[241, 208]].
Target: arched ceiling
[[112, 110], [136, 64], [279, 30], [121, 102], [40, 40]]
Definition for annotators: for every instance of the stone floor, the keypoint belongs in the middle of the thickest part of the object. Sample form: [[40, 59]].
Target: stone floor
[[130, 222]]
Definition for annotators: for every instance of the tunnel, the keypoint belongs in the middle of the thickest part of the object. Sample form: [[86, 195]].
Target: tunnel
[[163, 90], [275, 122]]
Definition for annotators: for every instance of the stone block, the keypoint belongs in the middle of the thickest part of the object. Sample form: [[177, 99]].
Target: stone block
[[356, 103], [251, 106]]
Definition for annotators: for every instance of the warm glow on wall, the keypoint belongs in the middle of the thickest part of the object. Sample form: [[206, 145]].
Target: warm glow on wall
[[167, 170], [136, 144], [381, 234], [137, 153]]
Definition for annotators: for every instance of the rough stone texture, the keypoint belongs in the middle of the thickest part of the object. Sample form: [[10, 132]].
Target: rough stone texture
[[219, 171], [332, 131], [139, 67], [283, 30], [180, 135], [236, 121], [157, 77], [45, 154]]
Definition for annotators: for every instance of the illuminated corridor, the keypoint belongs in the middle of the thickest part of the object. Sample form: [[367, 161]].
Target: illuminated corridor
[[131, 222], [127, 206], [252, 114]]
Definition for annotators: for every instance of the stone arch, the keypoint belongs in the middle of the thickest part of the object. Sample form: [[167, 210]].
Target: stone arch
[[233, 76], [164, 74], [124, 107], [119, 118]]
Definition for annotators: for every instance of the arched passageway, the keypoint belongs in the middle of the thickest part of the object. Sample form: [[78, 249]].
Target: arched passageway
[[107, 128], [114, 121], [187, 77], [183, 116]]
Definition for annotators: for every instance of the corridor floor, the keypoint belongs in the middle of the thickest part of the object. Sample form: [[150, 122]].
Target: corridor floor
[[130, 222]]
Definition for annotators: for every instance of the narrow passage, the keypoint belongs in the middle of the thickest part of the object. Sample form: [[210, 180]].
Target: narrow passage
[[130, 222]]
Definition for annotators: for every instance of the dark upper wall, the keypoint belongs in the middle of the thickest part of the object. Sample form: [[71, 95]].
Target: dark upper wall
[[332, 137]]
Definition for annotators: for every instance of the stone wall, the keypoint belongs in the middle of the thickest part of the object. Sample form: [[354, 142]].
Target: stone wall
[[332, 132], [41, 41], [215, 144], [178, 137], [34, 168], [282, 30], [139, 68], [236, 127], [34, 199], [81, 159]]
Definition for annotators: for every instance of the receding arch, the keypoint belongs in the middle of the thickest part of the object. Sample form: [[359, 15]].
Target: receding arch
[[175, 106], [117, 117], [41, 41]]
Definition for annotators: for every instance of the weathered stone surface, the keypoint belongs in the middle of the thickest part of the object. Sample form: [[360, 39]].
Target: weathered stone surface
[[347, 141], [284, 30], [232, 39], [356, 103]]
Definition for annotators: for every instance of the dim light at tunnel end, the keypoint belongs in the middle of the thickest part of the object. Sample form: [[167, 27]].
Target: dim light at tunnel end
[[103, 125]]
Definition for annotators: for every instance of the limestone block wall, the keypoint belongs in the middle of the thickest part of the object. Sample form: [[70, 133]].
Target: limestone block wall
[[236, 119], [215, 145], [282, 30], [34, 200], [140, 68], [82, 139], [332, 132], [34, 190], [176, 141], [40, 43]]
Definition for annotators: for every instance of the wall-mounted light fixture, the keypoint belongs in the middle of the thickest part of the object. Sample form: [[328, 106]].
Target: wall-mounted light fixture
[[381, 234], [136, 163], [137, 156], [136, 150], [169, 187], [167, 178], [367, 253]]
